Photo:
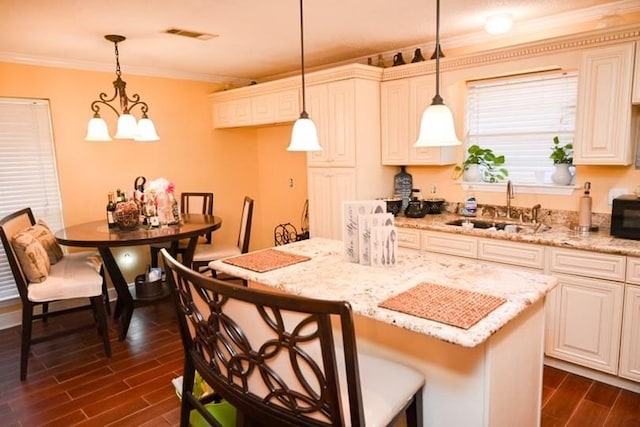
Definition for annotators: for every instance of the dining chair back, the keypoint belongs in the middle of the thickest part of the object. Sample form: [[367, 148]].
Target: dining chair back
[[278, 360], [72, 276], [204, 254], [190, 202]]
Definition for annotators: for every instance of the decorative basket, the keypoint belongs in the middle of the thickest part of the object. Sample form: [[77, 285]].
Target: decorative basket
[[127, 215]]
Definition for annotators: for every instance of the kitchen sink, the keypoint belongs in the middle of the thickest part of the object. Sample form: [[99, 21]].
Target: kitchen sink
[[498, 225]]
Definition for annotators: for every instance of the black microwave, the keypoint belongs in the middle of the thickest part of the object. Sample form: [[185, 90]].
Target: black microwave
[[625, 217]]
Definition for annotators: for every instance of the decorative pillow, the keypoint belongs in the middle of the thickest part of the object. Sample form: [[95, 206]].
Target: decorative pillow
[[43, 233], [32, 257]]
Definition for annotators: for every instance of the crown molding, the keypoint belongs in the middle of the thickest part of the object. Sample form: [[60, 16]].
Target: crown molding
[[43, 61], [526, 50]]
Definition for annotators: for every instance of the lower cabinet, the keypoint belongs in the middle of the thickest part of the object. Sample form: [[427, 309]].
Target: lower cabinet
[[584, 318], [630, 348], [328, 187], [592, 316]]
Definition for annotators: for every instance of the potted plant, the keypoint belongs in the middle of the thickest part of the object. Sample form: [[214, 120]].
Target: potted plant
[[481, 164], [562, 156]]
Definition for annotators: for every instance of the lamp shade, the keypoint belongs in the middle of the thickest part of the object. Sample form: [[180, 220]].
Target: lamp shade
[[436, 128], [146, 131], [304, 136], [97, 130], [127, 127]]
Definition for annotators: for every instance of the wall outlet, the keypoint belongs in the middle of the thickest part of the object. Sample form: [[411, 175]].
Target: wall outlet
[[615, 192]]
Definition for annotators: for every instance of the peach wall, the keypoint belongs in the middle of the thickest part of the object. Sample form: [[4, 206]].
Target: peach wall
[[190, 152]]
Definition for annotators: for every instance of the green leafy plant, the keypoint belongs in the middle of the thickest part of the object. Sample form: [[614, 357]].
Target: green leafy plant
[[561, 153], [489, 164]]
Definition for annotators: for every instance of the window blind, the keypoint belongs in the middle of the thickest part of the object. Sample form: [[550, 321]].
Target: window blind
[[518, 118], [28, 174]]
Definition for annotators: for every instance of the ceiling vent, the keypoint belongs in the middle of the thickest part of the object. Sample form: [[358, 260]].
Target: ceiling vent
[[191, 34]]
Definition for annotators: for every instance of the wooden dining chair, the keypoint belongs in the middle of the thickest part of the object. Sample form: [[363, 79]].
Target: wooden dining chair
[[206, 253], [190, 202], [279, 361], [41, 283]]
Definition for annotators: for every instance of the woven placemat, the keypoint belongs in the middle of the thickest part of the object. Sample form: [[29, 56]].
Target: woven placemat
[[456, 307], [267, 260]]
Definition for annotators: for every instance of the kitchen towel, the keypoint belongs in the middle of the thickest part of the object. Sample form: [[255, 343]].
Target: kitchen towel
[[453, 306], [266, 260]]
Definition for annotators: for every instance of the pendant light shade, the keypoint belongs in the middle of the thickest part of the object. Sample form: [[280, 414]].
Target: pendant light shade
[[304, 136], [436, 127], [97, 130]]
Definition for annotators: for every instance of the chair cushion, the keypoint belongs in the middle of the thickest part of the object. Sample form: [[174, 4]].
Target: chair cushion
[[387, 387], [74, 276], [32, 257], [43, 233], [215, 251]]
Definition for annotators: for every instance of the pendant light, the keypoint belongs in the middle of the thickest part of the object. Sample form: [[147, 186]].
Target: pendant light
[[128, 127], [436, 127], [304, 136]]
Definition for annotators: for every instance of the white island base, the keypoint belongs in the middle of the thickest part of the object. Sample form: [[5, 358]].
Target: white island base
[[497, 383]]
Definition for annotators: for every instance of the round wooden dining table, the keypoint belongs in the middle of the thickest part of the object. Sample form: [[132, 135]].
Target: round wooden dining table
[[97, 234]]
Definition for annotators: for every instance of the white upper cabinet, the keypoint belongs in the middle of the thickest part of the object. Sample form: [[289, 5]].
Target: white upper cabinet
[[332, 108], [261, 104], [604, 120], [402, 104]]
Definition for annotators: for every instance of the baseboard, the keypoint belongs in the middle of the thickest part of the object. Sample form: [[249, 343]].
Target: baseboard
[[14, 318], [593, 374]]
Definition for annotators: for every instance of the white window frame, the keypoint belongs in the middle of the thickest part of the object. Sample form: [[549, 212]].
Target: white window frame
[[28, 171], [549, 127]]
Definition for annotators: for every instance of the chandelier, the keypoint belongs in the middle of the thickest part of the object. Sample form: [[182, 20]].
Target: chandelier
[[436, 127], [128, 127]]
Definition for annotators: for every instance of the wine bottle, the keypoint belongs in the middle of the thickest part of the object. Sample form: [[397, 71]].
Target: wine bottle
[[111, 208]]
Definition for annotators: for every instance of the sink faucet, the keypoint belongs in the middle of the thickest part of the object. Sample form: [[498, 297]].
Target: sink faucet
[[534, 213], [509, 197]]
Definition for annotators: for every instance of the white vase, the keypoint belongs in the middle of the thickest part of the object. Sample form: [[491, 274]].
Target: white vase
[[472, 173], [562, 174]]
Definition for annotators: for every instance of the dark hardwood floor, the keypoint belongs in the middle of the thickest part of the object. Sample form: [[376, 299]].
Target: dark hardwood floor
[[70, 382]]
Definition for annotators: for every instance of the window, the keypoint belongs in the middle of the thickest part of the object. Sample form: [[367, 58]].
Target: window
[[28, 174], [518, 118]]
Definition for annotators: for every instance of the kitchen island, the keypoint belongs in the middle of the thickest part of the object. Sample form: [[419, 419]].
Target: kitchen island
[[487, 375]]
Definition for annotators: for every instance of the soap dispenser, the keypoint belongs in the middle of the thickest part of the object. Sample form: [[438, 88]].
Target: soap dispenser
[[584, 213]]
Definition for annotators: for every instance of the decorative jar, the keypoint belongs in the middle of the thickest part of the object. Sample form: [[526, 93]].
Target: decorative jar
[[127, 215]]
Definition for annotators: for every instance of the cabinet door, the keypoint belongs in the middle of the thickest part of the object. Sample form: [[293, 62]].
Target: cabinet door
[[630, 349], [603, 117], [395, 122], [636, 79], [331, 107], [263, 109], [409, 238], [232, 113], [328, 188], [287, 106], [584, 319]]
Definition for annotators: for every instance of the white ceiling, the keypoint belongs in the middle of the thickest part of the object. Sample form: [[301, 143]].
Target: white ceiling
[[261, 38]]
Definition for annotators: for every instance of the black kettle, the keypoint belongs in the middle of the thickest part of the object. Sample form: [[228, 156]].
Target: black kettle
[[416, 206]]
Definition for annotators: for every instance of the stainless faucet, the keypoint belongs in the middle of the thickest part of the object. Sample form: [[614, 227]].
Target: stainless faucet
[[509, 197]]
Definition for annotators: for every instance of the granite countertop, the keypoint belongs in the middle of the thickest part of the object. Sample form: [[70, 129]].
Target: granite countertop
[[559, 235], [328, 276]]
